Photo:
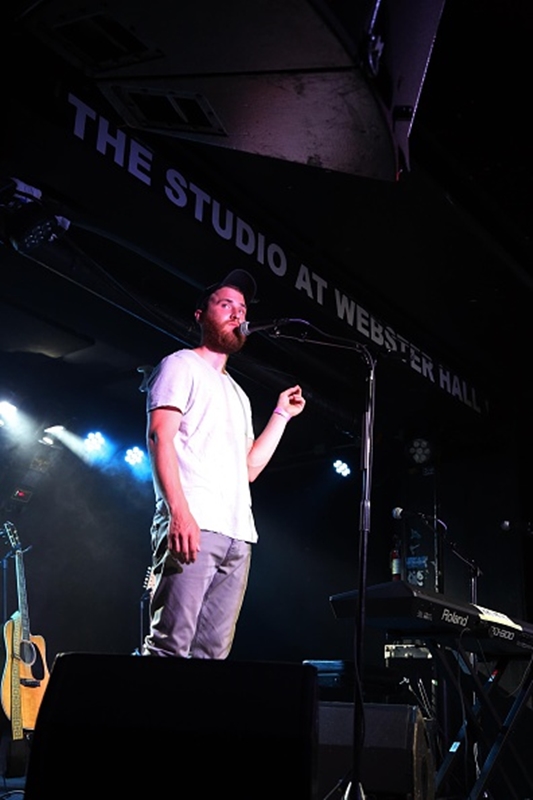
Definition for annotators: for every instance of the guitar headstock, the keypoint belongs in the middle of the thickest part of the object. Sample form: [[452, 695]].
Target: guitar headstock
[[10, 532], [149, 580]]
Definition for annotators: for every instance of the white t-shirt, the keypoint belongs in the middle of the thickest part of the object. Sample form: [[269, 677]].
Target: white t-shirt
[[212, 442]]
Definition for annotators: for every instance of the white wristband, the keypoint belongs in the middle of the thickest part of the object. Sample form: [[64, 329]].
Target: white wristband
[[282, 413]]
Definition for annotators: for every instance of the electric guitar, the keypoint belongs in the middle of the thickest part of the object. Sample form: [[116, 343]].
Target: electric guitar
[[25, 674], [149, 581]]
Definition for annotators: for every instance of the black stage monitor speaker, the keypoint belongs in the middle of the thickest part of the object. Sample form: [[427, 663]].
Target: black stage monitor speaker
[[396, 761], [113, 724]]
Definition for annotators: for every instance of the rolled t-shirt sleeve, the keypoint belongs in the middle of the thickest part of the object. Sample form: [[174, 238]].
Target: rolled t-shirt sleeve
[[170, 384]]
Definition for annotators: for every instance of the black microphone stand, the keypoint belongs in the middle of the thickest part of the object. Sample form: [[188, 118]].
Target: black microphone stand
[[367, 449], [354, 790], [475, 574], [475, 571]]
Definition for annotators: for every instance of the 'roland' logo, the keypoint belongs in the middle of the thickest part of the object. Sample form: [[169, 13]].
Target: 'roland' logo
[[454, 618]]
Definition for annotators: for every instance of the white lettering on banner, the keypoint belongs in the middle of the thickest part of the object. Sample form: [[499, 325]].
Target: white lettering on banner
[[244, 237], [383, 336], [80, 118], [321, 284], [276, 259], [127, 153], [304, 281], [427, 369], [261, 248], [105, 142], [458, 389], [223, 230], [362, 318], [175, 188], [140, 158], [224, 222], [201, 198], [345, 307]]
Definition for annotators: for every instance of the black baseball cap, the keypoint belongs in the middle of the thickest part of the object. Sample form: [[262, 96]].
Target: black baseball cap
[[238, 278]]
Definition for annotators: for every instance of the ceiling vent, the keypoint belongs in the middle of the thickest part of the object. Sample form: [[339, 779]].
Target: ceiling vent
[[164, 111], [97, 42]]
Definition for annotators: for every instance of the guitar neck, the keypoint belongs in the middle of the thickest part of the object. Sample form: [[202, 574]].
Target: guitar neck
[[22, 596]]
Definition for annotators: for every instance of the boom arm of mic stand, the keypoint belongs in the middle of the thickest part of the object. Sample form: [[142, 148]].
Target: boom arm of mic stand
[[475, 571]]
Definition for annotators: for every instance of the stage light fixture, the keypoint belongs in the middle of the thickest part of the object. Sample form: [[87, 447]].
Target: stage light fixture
[[31, 226], [8, 413], [49, 437], [134, 456], [138, 463], [99, 450], [94, 442], [420, 451], [27, 222], [341, 468]]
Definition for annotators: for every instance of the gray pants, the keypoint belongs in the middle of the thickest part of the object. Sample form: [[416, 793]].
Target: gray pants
[[194, 607]]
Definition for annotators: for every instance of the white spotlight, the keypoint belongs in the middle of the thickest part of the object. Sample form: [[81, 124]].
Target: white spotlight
[[134, 456], [8, 413], [94, 442], [342, 468]]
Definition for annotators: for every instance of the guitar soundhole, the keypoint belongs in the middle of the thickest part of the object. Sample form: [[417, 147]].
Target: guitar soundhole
[[28, 652]]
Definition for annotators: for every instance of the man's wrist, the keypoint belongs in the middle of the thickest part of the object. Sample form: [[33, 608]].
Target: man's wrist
[[282, 413]]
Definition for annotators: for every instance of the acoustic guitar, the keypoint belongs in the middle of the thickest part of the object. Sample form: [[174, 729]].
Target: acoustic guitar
[[25, 674]]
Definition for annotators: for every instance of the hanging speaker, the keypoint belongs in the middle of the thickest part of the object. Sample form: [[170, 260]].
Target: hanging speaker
[[397, 756], [114, 723]]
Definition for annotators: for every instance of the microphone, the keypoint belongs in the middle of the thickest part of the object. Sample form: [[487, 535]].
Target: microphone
[[402, 513], [246, 328]]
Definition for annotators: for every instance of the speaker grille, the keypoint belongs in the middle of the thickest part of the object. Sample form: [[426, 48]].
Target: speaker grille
[[397, 757]]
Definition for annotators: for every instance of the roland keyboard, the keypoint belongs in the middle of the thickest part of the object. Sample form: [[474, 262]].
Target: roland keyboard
[[406, 612]]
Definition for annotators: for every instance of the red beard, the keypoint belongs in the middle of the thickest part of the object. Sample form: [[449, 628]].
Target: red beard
[[224, 340]]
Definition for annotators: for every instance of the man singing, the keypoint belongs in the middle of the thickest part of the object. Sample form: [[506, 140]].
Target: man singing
[[204, 455]]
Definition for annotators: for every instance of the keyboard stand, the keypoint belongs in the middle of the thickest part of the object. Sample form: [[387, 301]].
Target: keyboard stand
[[472, 728], [503, 735]]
